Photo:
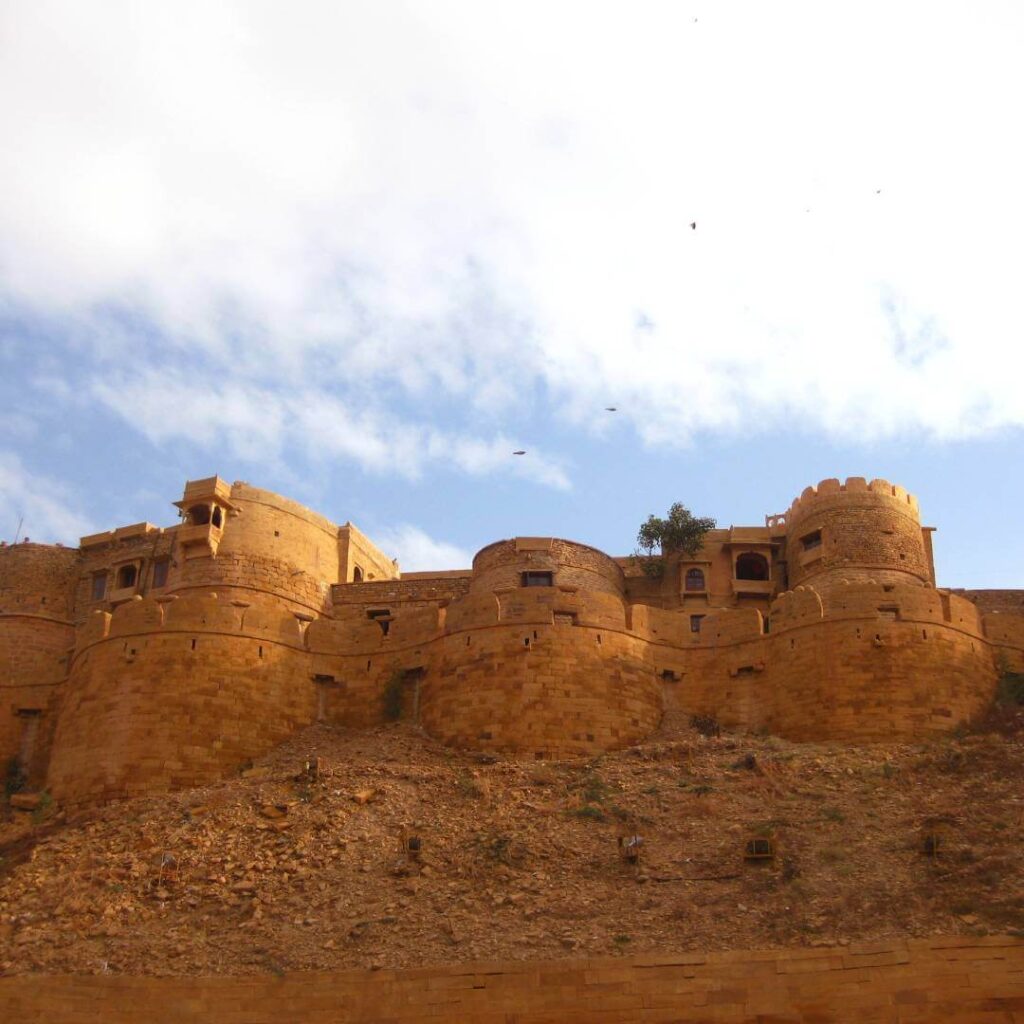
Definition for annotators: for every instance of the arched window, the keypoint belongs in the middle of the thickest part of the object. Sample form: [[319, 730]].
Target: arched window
[[751, 566], [199, 515], [694, 579], [357, 575], [126, 576]]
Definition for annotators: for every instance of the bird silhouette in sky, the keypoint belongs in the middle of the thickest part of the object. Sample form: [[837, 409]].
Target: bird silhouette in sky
[[693, 225], [520, 452], [610, 408]]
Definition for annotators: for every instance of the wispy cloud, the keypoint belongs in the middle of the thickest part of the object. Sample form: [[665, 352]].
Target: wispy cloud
[[259, 422], [378, 234], [418, 552], [40, 505]]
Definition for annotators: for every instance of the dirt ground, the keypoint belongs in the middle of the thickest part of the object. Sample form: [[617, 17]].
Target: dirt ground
[[276, 870]]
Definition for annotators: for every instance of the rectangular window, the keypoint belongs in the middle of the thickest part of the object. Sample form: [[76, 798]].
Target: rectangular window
[[811, 540], [382, 616], [538, 579], [160, 568], [695, 623], [99, 585]]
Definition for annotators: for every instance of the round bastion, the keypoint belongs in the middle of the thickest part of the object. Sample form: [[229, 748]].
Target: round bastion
[[524, 561], [855, 531]]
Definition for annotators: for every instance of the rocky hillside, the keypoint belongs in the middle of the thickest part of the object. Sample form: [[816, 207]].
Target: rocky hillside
[[284, 867]]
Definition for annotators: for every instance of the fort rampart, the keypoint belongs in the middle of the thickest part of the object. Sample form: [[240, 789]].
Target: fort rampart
[[189, 673]]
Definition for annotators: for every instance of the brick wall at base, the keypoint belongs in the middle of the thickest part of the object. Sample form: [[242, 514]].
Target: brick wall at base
[[919, 981]]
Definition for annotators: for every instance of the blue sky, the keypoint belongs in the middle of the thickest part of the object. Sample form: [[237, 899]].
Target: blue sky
[[359, 256]]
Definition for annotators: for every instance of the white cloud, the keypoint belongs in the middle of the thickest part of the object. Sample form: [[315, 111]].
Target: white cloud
[[40, 505], [332, 212], [417, 551], [258, 422]]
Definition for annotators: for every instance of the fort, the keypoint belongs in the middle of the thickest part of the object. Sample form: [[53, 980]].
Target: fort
[[150, 659]]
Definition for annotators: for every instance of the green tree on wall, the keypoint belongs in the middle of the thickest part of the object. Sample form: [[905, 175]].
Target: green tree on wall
[[679, 533]]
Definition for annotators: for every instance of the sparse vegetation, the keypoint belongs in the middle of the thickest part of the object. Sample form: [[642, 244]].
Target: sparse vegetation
[[469, 786], [42, 811], [706, 725], [680, 532], [15, 779], [521, 857], [1011, 688], [590, 812]]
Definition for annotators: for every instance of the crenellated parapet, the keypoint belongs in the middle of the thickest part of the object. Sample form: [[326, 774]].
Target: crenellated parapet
[[856, 531], [855, 491], [202, 645]]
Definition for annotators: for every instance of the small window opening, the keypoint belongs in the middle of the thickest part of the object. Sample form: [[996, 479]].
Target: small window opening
[[468, 638], [668, 675], [368, 666], [526, 641], [218, 518], [903, 554], [767, 624], [277, 533], [99, 586], [261, 650], [160, 569], [745, 670], [792, 643], [199, 514], [126, 576], [888, 587], [811, 540], [695, 623], [758, 848], [695, 579], [751, 566], [357, 575], [924, 634], [193, 643], [382, 616], [537, 579], [598, 637]]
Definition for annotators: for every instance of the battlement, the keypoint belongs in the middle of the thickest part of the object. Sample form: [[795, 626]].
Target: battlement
[[855, 490], [206, 643]]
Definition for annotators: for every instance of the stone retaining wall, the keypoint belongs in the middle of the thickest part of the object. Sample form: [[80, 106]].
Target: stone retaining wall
[[926, 981]]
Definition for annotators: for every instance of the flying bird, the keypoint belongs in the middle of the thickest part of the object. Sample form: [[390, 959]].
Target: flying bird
[[610, 408], [520, 452], [693, 225]]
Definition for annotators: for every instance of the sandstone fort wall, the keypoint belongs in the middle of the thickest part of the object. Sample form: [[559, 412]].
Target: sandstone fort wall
[[934, 980], [252, 631], [855, 531]]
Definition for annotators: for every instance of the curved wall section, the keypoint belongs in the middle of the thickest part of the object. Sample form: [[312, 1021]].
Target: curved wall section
[[271, 551], [875, 661], [37, 583], [162, 696], [502, 565], [855, 531], [538, 685], [38, 578]]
